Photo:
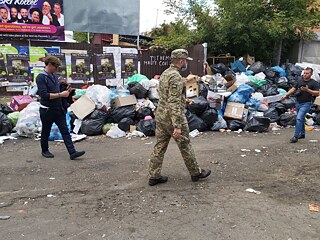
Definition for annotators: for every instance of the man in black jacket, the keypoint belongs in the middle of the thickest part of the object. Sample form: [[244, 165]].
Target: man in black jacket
[[51, 108]]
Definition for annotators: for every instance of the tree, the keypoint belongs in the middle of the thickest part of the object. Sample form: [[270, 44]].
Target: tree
[[82, 37]]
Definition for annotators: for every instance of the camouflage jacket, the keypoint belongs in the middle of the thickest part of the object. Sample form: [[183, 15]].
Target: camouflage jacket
[[172, 99]]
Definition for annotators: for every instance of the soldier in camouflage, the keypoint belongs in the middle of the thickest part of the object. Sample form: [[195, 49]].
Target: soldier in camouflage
[[172, 122]]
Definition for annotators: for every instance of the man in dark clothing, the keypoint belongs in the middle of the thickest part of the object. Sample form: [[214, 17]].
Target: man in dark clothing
[[24, 16], [51, 108], [305, 90]]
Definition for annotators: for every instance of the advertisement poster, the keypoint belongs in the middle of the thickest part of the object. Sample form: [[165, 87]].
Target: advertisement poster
[[24, 50], [62, 70], [129, 65], [80, 67], [105, 66], [38, 55], [18, 67], [3, 70], [32, 19]]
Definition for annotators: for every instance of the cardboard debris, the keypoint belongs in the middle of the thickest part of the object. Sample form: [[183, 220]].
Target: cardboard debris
[[83, 107], [314, 207]]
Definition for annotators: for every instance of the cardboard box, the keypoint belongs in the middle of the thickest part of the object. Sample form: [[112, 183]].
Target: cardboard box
[[83, 107], [20, 102], [124, 101], [234, 110], [192, 90], [232, 88], [317, 101]]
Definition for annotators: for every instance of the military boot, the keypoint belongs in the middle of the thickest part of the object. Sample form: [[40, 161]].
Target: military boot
[[203, 174], [156, 181]]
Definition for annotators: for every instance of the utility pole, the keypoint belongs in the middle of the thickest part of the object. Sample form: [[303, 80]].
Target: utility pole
[[157, 17]]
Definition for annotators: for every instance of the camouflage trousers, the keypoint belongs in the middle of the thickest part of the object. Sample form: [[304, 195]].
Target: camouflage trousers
[[164, 134]]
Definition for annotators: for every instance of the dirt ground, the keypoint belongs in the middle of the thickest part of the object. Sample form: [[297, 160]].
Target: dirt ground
[[105, 194]]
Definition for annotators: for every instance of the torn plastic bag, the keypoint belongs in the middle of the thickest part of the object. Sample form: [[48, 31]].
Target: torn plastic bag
[[137, 89], [55, 133], [118, 113], [242, 94], [198, 105], [257, 67], [209, 116], [115, 132], [258, 124], [253, 103], [194, 122], [125, 124], [4, 108], [235, 125], [287, 119], [101, 95], [280, 70], [13, 117], [5, 125], [273, 114], [269, 90], [220, 124], [148, 127], [238, 66]]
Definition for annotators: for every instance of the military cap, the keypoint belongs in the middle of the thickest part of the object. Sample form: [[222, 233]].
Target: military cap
[[180, 54]]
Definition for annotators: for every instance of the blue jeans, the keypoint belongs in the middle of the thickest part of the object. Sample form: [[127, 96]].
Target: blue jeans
[[48, 117], [302, 110]]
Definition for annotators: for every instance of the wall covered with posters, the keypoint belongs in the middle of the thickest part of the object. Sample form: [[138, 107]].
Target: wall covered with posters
[[34, 19]]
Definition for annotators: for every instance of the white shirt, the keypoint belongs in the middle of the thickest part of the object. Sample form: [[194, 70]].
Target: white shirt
[[61, 20], [45, 20]]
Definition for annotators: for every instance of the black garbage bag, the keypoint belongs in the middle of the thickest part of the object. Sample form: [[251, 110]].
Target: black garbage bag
[[209, 116], [143, 112], [148, 127], [317, 120], [198, 105], [235, 125], [281, 108], [5, 125], [268, 90], [137, 89], [257, 67], [258, 124], [293, 70], [118, 113], [283, 83], [273, 114], [125, 124], [92, 127], [194, 122], [289, 102], [4, 108], [271, 74], [203, 89], [287, 119], [92, 124], [218, 68], [73, 117]]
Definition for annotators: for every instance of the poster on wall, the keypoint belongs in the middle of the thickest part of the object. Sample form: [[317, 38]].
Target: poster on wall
[[62, 70], [129, 65], [18, 67], [32, 19], [38, 54], [3, 70], [80, 67], [105, 66], [24, 50]]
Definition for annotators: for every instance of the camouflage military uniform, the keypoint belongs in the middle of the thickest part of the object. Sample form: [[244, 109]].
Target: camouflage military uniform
[[170, 115]]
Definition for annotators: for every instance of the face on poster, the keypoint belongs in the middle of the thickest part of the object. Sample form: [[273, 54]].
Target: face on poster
[[18, 67], [36, 19], [105, 66], [129, 64]]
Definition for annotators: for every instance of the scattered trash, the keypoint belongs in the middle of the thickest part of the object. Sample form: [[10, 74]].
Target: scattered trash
[[52, 178], [245, 150], [194, 133], [4, 217], [257, 150], [313, 141], [302, 150], [251, 190], [243, 155], [160, 211], [148, 143], [215, 162], [50, 195], [3, 138], [314, 207]]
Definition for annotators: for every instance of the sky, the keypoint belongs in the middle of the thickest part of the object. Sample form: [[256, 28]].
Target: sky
[[152, 15]]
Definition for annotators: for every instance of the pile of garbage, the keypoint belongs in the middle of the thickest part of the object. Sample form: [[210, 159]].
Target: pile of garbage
[[239, 97]]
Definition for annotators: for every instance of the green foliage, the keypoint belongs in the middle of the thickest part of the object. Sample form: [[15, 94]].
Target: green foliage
[[82, 37], [256, 27]]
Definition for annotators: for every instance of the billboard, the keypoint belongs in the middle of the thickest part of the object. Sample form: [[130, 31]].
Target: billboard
[[32, 19], [103, 16]]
